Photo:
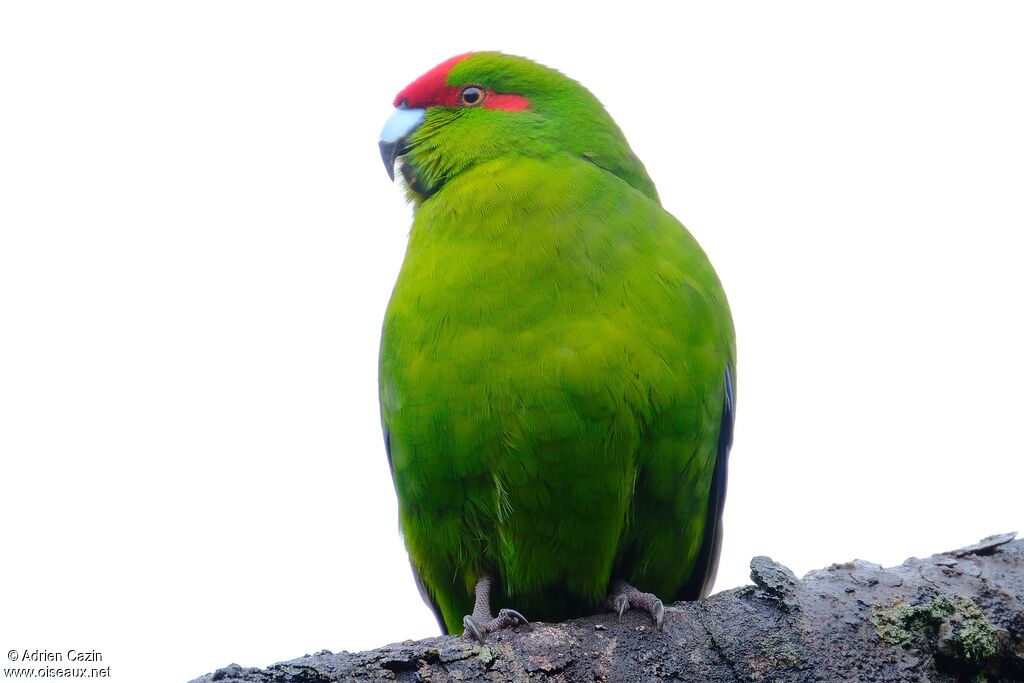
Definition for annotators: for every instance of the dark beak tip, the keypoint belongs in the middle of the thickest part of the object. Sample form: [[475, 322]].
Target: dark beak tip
[[388, 153]]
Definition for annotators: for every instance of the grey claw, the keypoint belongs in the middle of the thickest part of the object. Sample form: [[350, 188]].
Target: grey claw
[[659, 615], [519, 618], [470, 627], [623, 604]]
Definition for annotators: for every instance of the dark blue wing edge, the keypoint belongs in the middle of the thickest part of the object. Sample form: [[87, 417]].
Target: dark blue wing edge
[[706, 567]]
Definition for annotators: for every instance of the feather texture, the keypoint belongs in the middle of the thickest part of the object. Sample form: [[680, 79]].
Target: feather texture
[[556, 360]]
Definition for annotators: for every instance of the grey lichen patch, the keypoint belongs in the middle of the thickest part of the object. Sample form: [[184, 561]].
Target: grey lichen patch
[[959, 622], [777, 654], [485, 655], [781, 652]]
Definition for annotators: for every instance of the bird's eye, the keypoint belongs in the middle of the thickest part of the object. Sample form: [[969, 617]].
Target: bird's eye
[[471, 96]]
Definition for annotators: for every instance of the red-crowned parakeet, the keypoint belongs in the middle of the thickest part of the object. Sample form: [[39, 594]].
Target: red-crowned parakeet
[[557, 363]]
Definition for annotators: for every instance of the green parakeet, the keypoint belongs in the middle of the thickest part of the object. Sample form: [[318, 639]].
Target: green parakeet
[[557, 361]]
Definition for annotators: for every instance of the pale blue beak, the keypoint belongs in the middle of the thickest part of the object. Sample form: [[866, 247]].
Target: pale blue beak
[[392, 138]]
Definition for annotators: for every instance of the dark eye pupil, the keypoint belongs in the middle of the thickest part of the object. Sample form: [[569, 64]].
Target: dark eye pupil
[[471, 95]]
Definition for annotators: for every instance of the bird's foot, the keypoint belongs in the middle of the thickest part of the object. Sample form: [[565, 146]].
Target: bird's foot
[[480, 624], [479, 627], [623, 596]]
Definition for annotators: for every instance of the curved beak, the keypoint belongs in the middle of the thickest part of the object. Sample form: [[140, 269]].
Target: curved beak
[[395, 133]]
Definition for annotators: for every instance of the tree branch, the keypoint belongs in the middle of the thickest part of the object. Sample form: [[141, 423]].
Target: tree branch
[[955, 616]]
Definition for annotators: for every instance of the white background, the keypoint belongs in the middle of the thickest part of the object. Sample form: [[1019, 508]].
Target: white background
[[198, 240]]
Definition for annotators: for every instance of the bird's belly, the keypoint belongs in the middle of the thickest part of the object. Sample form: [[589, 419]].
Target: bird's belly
[[522, 445], [522, 388]]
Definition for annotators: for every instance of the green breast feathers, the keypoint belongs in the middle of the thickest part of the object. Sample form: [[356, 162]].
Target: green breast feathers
[[557, 362]]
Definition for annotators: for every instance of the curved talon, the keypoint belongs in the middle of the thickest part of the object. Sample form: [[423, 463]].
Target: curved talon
[[480, 622], [517, 618], [469, 625], [659, 615], [623, 597]]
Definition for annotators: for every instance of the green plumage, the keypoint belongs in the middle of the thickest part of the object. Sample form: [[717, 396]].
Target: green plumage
[[554, 362]]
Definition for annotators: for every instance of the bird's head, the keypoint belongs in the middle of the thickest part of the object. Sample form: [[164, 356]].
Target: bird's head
[[481, 106]]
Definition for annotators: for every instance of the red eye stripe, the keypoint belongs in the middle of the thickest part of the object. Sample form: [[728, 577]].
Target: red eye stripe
[[432, 90], [506, 101]]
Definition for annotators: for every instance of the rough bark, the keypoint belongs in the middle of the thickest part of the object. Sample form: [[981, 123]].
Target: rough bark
[[955, 616]]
